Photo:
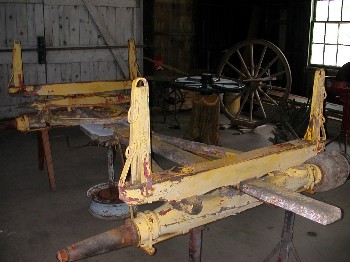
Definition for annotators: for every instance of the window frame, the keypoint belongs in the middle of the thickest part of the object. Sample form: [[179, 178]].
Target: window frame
[[313, 21]]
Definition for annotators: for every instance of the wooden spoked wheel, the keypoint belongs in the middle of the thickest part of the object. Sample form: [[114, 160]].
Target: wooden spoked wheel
[[266, 74]]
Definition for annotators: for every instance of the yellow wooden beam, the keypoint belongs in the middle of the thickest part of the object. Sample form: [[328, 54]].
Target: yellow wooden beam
[[66, 89], [17, 71], [203, 177], [84, 101]]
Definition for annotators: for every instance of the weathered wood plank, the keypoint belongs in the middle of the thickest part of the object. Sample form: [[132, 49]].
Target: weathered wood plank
[[66, 73], [30, 74], [84, 26], [32, 36], [21, 23], [51, 20], [63, 25], [123, 25], [41, 74], [27, 57], [22, 1], [75, 56], [175, 154], [53, 73], [4, 97], [39, 19], [12, 111], [75, 72], [94, 74], [93, 31], [66, 56], [85, 72], [73, 26], [102, 70], [3, 42], [102, 11], [10, 24], [110, 21], [118, 3], [138, 24], [106, 35], [111, 71], [196, 147]]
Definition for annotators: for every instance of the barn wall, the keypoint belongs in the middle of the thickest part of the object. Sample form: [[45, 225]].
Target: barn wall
[[68, 24], [174, 32]]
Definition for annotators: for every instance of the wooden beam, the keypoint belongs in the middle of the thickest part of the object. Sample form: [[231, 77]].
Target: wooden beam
[[109, 3]]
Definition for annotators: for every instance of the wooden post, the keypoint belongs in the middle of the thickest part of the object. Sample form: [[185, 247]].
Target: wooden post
[[204, 123], [45, 144]]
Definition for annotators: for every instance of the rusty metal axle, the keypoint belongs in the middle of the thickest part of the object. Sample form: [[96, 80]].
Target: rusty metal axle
[[123, 236]]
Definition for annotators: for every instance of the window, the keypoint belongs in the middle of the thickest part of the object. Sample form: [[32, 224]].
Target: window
[[330, 33]]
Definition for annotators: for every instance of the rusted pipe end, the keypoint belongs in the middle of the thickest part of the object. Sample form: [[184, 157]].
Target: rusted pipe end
[[122, 236], [8, 124], [335, 170], [62, 255]]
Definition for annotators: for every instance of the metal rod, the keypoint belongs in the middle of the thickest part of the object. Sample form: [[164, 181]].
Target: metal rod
[[285, 245], [287, 236], [195, 246], [110, 156]]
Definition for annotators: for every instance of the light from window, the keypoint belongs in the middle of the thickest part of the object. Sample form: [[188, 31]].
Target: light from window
[[330, 33]]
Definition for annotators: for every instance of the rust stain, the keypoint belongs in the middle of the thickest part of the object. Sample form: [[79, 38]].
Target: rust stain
[[20, 80], [147, 176], [109, 194], [163, 212]]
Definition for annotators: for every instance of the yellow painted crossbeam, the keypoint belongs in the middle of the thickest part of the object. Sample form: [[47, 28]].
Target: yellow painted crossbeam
[[84, 101], [71, 88], [203, 177]]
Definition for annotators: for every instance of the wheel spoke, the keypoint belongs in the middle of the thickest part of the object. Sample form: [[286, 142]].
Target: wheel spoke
[[242, 104], [268, 66], [259, 102], [267, 96], [278, 88], [260, 61], [252, 60], [278, 73], [236, 69], [251, 107], [243, 63]]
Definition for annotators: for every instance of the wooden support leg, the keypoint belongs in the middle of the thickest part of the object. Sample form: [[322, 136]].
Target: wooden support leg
[[45, 140]]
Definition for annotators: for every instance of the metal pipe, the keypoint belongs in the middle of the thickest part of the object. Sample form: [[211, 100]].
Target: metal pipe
[[123, 236], [287, 236], [195, 247]]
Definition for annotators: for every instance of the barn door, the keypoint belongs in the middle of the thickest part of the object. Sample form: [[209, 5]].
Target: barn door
[[75, 48]]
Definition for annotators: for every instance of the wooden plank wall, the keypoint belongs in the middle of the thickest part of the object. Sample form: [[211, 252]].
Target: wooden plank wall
[[174, 32], [64, 23]]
